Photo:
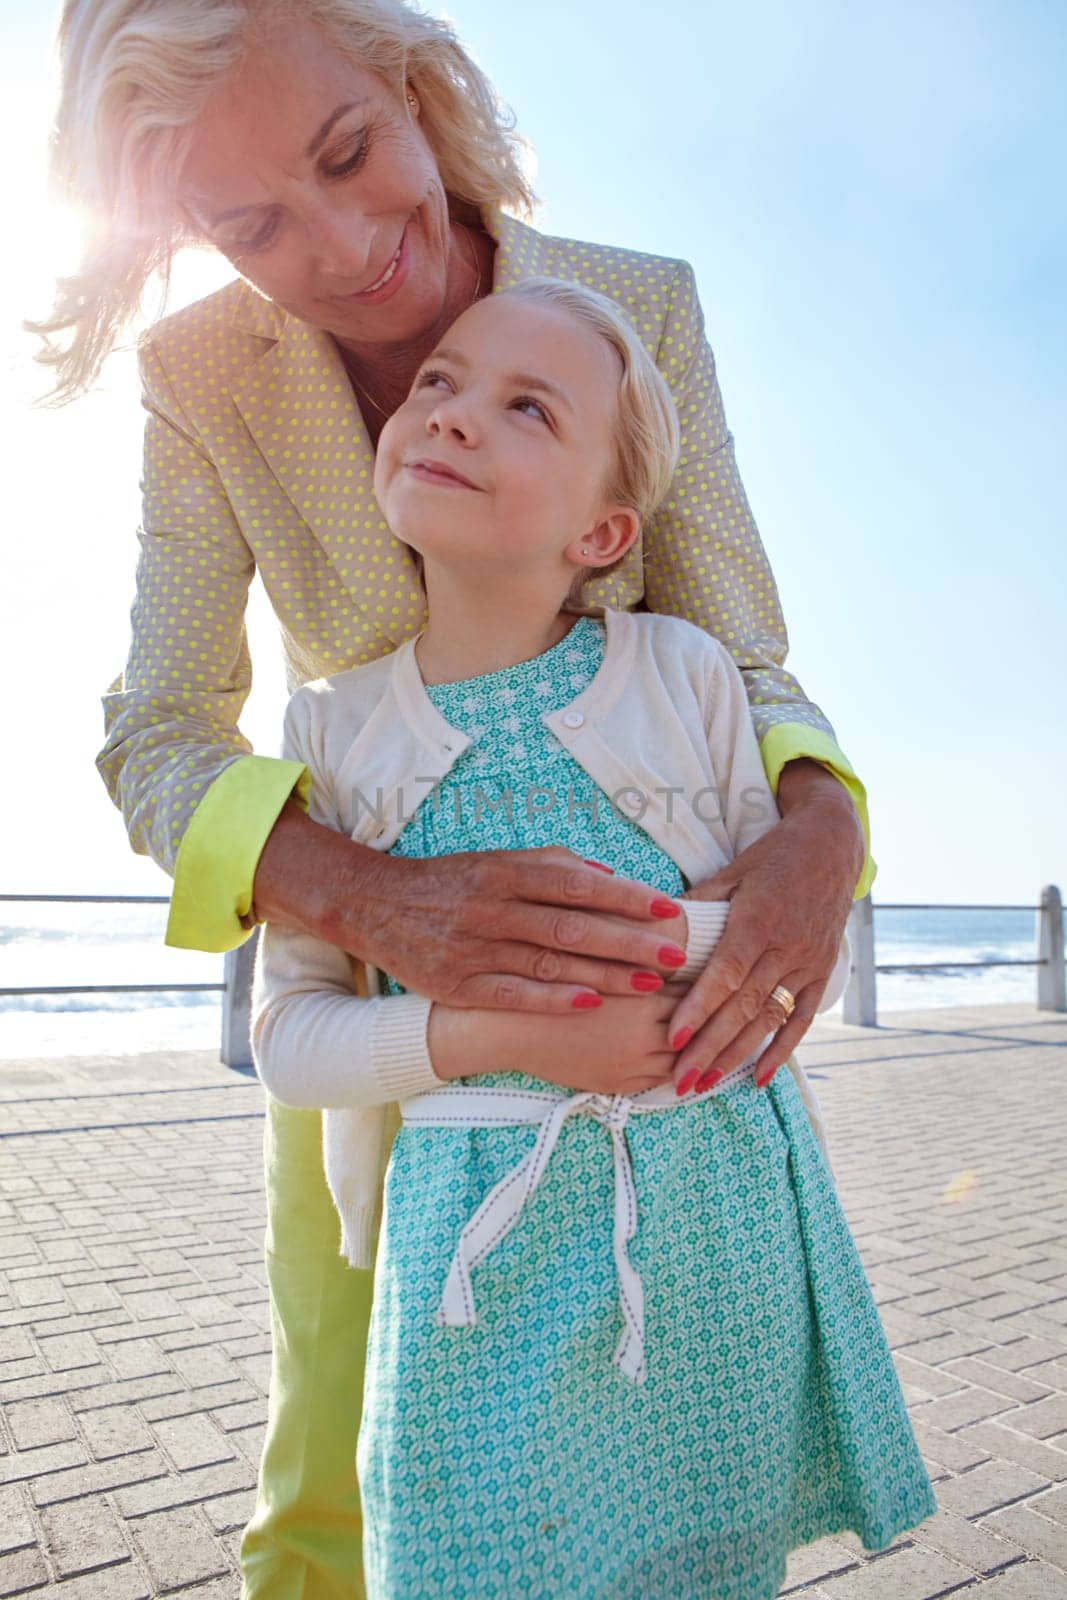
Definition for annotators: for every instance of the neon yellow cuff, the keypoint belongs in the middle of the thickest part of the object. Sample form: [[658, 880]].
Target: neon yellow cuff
[[217, 859], [790, 741]]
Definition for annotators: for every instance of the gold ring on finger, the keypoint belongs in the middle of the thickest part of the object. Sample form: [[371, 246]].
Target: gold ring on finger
[[786, 1000]]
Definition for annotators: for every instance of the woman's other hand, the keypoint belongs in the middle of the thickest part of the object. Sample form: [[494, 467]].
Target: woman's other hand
[[522, 930], [790, 895], [621, 1048]]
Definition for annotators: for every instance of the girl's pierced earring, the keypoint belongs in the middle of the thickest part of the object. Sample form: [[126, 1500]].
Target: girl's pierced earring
[[412, 102]]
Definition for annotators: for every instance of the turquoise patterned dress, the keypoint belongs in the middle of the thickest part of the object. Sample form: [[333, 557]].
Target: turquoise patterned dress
[[513, 1458]]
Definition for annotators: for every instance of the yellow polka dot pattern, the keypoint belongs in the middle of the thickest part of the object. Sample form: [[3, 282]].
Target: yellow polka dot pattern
[[256, 456]]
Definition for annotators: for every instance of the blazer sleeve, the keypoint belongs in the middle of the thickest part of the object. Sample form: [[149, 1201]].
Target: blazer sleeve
[[746, 805], [316, 1042], [191, 793], [704, 561]]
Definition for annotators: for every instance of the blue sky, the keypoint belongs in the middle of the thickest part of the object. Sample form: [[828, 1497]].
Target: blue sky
[[873, 201]]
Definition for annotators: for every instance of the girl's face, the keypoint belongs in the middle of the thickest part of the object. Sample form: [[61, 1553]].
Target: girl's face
[[315, 180], [498, 460]]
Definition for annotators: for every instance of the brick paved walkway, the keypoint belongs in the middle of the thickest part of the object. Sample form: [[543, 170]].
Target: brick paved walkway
[[133, 1327]]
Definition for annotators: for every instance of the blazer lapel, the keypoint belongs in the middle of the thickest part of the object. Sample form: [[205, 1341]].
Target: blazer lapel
[[298, 406]]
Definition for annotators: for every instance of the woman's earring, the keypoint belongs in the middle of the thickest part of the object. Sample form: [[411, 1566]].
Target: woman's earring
[[413, 103]]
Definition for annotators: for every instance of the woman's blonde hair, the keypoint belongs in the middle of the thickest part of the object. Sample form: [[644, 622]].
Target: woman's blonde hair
[[646, 423], [135, 75]]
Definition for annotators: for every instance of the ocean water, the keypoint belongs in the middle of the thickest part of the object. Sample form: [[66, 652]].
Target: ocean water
[[61, 944]]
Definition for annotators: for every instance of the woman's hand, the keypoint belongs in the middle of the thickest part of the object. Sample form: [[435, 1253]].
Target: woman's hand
[[790, 893], [522, 930], [621, 1048]]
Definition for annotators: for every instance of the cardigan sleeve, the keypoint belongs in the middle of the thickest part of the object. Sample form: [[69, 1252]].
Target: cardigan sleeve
[[704, 561], [191, 793], [315, 1041]]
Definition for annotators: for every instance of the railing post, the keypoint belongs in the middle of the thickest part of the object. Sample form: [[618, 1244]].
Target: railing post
[[860, 1001], [1051, 978], [236, 1047]]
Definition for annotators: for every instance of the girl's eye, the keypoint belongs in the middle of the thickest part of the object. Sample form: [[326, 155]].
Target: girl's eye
[[347, 164], [431, 380], [530, 407]]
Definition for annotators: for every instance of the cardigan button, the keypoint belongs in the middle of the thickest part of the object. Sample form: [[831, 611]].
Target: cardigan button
[[573, 719]]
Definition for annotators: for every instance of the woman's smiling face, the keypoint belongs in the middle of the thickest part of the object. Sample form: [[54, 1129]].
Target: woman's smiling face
[[502, 453], [313, 177]]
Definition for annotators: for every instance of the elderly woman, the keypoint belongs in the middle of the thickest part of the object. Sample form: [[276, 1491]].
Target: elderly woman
[[355, 167]]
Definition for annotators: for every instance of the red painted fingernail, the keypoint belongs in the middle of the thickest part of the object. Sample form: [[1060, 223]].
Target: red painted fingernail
[[763, 1079], [599, 865], [686, 1082], [709, 1080], [586, 1002], [680, 1040], [671, 955], [646, 982], [664, 908]]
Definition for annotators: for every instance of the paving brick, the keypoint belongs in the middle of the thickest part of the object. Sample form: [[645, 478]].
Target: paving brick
[[15, 1345], [973, 1545], [1044, 1418], [83, 1535], [926, 1381], [92, 1297], [1037, 1535], [230, 1511], [1053, 1504], [187, 1488], [22, 1571], [1000, 1440], [1033, 1580], [987, 1488], [39, 1292], [97, 1477], [178, 1548], [16, 1524], [23, 1464], [982, 1372], [138, 1358], [40, 1422], [813, 1562], [127, 1581], [193, 1441], [956, 1451], [182, 1402], [970, 1405], [114, 1431], [67, 1351], [908, 1574]]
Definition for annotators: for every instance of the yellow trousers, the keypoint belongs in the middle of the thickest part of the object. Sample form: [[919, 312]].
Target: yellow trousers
[[304, 1539]]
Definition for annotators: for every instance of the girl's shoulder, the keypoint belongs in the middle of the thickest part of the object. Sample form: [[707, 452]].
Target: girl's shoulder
[[672, 644], [343, 698]]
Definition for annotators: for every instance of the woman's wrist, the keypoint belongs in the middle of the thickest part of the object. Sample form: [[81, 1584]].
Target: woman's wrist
[[315, 879], [804, 784]]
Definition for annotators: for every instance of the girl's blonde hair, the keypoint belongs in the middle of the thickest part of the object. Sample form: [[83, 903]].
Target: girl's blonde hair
[[646, 424], [135, 75]]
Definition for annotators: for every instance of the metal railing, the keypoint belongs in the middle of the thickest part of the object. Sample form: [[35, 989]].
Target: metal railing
[[860, 1001], [236, 987]]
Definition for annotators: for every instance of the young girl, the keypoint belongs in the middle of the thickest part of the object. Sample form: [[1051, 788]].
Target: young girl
[[622, 1345]]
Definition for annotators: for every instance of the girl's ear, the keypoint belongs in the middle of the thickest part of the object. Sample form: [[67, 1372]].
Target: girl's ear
[[608, 540]]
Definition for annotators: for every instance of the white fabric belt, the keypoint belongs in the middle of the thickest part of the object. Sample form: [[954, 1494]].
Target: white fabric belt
[[459, 1106]]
